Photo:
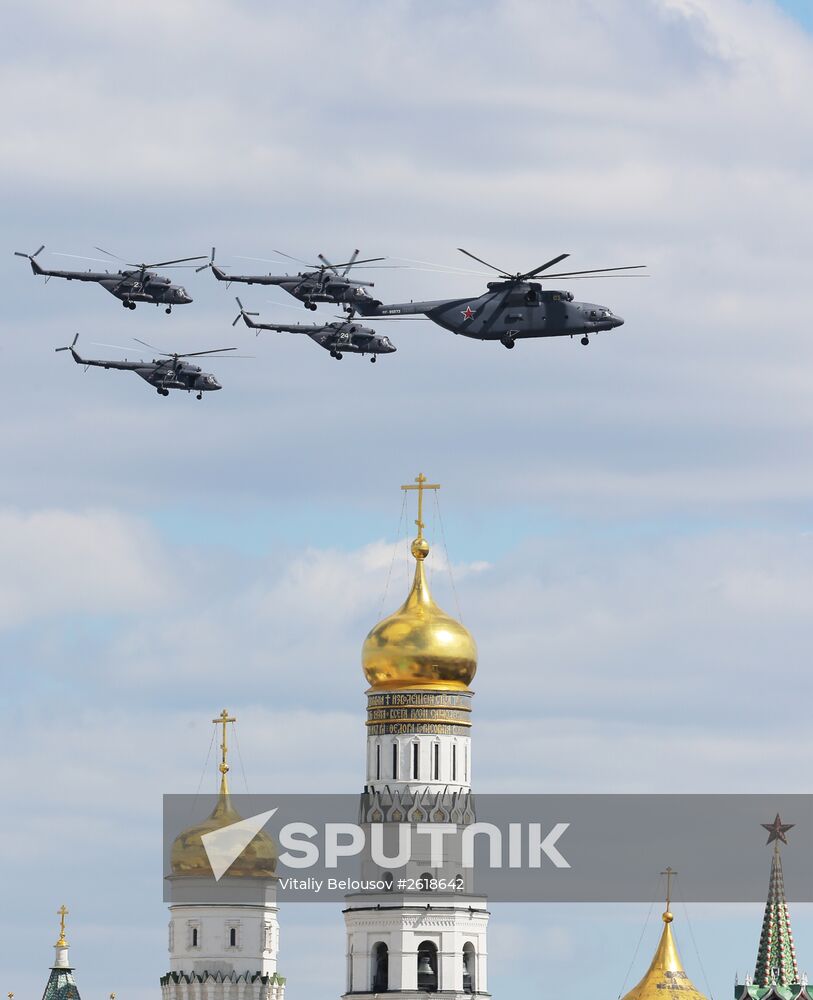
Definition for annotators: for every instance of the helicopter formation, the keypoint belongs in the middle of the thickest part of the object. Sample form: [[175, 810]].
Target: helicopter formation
[[514, 307]]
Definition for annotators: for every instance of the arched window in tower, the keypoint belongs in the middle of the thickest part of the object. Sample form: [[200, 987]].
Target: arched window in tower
[[381, 968], [395, 759], [466, 764], [350, 970], [436, 761], [469, 964], [194, 937], [454, 762], [427, 967], [378, 761], [232, 937], [415, 760]]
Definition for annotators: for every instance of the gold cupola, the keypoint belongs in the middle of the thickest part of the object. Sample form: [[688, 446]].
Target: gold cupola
[[665, 978], [419, 647], [188, 857]]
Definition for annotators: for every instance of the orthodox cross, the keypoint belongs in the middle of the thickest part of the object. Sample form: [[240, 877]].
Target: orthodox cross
[[63, 912], [670, 874], [223, 720], [421, 485]]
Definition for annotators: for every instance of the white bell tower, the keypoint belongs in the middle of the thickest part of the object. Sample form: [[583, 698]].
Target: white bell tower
[[418, 935], [223, 935]]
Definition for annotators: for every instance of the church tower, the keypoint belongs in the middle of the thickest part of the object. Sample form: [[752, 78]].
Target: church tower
[[418, 935], [776, 974], [665, 979], [224, 934], [61, 985]]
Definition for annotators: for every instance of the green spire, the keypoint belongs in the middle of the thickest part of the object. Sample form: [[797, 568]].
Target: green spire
[[776, 958]]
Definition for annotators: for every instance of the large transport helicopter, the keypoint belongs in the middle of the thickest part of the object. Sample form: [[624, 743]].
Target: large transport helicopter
[[340, 338], [137, 284], [323, 282], [516, 307], [170, 371]]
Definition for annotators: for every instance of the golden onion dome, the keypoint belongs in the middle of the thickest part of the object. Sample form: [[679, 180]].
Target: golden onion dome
[[257, 860], [665, 977], [419, 646]]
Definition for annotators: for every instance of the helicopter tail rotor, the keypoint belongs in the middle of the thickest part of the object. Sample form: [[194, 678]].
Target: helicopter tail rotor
[[30, 256], [70, 346], [208, 264], [243, 314]]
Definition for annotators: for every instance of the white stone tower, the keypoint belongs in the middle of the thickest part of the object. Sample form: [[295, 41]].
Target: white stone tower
[[223, 935], [418, 937]]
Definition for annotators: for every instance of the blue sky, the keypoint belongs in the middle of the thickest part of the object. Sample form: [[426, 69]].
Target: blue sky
[[628, 525]]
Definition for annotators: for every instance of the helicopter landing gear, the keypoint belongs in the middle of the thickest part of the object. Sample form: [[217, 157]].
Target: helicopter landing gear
[[339, 355], [508, 342], [585, 340], [169, 309], [128, 304], [200, 395], [373, 360], [162, 392], [310, 305]]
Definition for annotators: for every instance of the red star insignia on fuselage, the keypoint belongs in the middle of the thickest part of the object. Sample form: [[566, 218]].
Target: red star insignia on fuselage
[[467, 313]]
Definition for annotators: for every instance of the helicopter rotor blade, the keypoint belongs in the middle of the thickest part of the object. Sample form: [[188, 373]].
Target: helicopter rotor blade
[[144, 342], [207, 264], [70, 348], [197, 354], [79, 256], [544, 267], [357, 263], [179, 260], [297, 259], [480, 260], [353, 258], [30, 256], [599, 271], [114, 256]]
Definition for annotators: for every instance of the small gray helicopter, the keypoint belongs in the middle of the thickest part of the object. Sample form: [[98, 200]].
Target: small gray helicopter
[[343, 337], [516, 307], [322, 283], [173, 373], [137, 284]]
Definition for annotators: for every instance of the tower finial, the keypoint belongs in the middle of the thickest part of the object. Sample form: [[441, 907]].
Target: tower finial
[[420, 547], [670, 873], [777, 831], [63, 911], [223, 720]]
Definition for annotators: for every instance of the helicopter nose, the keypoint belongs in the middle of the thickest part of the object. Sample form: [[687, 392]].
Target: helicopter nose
[[616, 321]]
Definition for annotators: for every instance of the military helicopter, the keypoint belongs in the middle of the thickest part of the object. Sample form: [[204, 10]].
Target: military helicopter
[[516, 307], [137, 284], [321, 283], [174, 373], [343, 337]]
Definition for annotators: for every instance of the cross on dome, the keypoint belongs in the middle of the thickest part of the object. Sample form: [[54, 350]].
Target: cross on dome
[[421, 485], [223, 720]]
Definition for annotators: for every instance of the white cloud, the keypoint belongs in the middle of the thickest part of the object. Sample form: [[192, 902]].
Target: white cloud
[[95, 563]]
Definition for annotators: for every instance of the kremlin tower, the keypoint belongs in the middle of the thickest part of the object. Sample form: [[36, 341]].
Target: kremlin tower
[[420, 933], [776, 976], [224, 935]]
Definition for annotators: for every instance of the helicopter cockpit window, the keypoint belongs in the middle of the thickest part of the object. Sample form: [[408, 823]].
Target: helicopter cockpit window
[[531, 297]]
